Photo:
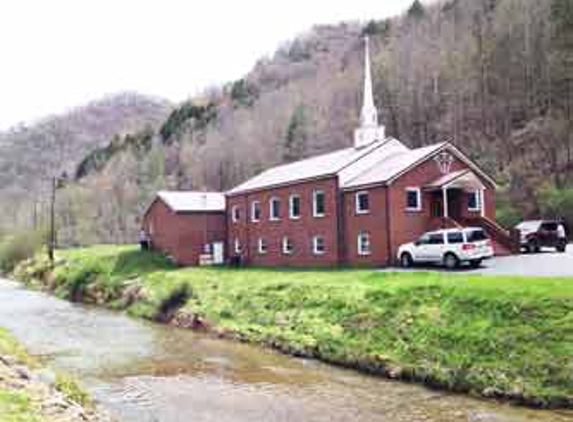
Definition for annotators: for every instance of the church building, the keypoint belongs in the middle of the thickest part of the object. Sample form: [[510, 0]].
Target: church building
[[357, 205]]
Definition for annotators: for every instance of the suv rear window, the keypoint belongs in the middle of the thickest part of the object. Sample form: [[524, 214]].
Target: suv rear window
[[476, 236], [550, 227], [455, 237]]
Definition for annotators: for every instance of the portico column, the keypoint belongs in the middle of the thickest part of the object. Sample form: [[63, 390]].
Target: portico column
[[482, 202], [445, 199]]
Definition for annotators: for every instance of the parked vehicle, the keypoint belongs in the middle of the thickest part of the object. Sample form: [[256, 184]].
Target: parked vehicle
[[451, 248], [542, 233]]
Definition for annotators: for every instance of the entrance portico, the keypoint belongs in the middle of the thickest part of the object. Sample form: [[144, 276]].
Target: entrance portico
[[450, 190]]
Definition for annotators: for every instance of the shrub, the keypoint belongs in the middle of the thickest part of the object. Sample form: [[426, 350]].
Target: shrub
[[557, 203], [18, 247], [506, 213], [70, 388]]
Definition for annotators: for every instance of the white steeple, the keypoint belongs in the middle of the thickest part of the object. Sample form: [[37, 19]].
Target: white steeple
[[369, 130], [369, 115]]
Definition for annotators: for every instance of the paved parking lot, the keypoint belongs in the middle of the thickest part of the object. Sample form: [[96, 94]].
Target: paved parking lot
[[548, 263]]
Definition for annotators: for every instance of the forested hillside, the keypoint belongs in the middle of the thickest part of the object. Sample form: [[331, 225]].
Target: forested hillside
[[31, 155], [495, 77]]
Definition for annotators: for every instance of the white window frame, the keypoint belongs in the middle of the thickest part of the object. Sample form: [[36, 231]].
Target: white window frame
[[290, 207], [357, 201], [315, 249], [254, 205], [235, 213], [285, 243], [271, 202], [360, 248], [237, 246], [262, 246], [478, 198], [314, 203], [418, 192]]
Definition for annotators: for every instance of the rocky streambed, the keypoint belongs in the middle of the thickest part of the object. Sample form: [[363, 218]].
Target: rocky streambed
[[37, 388]]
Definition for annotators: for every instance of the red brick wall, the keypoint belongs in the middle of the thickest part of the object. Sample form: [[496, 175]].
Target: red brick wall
[[183, 236], [375, 223], [407, 226], [300, 231]]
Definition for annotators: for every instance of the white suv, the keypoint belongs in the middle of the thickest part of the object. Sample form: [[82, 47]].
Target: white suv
[[450, 247]]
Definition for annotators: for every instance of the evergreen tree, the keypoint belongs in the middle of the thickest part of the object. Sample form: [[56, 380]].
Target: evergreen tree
[[417, 10], [296, 136]]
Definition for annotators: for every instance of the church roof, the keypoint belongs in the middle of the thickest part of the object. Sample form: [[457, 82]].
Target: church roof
[[391, 165], [311, 168], [193, 201]]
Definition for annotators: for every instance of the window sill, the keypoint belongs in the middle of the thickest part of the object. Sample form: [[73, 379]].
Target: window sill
[[319, 215], [364, 254], [274, 219], [414, 210], [362, 212], [294, 218]]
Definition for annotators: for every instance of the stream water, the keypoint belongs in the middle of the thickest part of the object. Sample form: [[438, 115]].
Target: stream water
[[143, 372]]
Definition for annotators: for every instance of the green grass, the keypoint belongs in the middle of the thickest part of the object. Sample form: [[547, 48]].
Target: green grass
[[15, 406], [507, 336]]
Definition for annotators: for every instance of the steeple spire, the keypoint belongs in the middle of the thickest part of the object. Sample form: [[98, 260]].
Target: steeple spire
[[369, 131], [369, 114]]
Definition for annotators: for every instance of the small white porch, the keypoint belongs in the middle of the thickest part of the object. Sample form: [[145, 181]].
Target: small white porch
[[450, 195]]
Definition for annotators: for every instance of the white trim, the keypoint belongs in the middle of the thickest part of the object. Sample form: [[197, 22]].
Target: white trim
[[315, 193], [237, 246], [315, 250], [290, 206], [261, 246], [235, 214], [418, 192], [357, 202], [254, 204], [361, 250], [285, 246], [272, 217], [478, 200]]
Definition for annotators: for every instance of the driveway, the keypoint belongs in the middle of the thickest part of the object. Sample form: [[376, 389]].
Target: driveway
[[548, 263]]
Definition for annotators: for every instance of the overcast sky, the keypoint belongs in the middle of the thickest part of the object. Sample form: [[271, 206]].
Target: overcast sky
[[58, 54]]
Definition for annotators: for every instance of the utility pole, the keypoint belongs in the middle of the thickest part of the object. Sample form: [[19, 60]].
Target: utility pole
[[56, 183], [52, 235]]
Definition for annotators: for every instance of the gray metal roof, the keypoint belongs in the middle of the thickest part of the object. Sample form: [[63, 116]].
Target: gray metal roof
[[310, 168], [391, 165], [379, 163], [193, 201]]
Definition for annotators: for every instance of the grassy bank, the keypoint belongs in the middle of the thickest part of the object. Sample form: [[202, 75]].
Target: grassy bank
[[493, 336], [23, 398]]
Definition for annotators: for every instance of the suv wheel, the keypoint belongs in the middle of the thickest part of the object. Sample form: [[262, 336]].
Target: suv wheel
[[406, 260], [451, 261], [562, 247], [533, 247]]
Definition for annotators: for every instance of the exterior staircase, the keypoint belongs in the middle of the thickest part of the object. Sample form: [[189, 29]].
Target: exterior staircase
[[505, 242]]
